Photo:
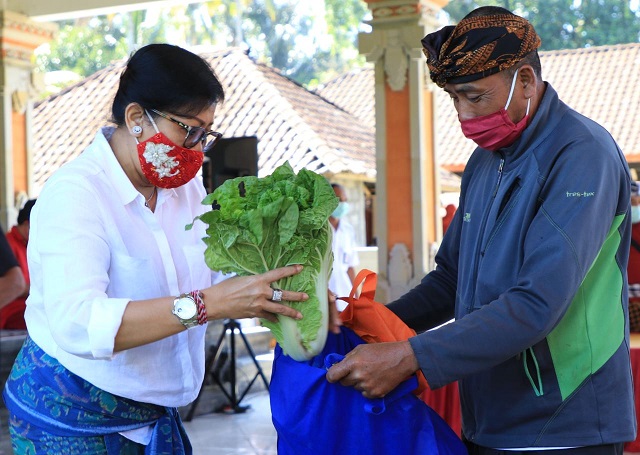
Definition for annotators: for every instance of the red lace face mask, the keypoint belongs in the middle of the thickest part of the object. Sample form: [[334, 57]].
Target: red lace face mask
[[166, 164], [497, 130]]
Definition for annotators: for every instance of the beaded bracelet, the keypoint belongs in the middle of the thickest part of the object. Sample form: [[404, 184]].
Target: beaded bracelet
[[202, 309]]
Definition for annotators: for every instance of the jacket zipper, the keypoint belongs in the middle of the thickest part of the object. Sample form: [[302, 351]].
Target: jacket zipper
[[483, 227], [495, 192]]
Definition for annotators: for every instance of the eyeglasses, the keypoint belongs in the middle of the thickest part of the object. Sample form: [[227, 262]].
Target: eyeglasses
[[195, 134]]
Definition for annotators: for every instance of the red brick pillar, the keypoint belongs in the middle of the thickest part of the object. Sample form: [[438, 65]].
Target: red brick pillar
[[408, 223]]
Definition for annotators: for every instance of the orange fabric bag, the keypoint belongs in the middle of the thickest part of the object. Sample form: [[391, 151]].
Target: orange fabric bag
[[373, 321]]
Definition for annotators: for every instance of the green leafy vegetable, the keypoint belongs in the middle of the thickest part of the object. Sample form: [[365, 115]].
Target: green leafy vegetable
[[259, 224]]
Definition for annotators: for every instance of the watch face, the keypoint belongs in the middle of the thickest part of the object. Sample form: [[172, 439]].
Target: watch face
[[185, 308]]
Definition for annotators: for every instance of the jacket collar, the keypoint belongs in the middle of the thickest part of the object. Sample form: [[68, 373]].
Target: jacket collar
[[547, 116]]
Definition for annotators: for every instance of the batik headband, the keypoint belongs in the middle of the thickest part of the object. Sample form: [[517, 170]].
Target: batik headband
[[478, 47]]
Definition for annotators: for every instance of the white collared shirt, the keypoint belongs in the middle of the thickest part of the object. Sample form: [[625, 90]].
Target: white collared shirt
[[93, 247]]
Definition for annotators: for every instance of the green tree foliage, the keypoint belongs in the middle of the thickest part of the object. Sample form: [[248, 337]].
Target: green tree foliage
[[310, 42], [344, 19], [309, 46], [84, 46], [568, 24]]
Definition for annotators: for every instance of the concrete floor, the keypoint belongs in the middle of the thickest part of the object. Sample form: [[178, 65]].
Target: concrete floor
[[234, 434]]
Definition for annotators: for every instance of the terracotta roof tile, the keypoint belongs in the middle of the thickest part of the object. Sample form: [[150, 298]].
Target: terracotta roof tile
[[65, 123], [290, 122], [353, 92]]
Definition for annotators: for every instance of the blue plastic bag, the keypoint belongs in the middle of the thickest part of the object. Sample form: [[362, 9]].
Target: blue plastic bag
[[314, 417]]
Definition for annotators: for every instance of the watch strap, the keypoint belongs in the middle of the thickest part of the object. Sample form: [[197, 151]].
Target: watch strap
[[202, 309]]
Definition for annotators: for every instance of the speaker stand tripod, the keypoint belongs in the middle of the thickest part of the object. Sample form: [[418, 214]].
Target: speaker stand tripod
[[231, 326]]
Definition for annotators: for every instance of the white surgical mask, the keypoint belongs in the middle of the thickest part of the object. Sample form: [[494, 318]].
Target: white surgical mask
[[341, 210], [635, 214]]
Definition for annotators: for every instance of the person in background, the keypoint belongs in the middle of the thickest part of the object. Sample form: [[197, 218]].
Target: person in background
[[532, 267], [12, 315], [450, 210], [120, 293], [12, 283], [633, 270], [345, 256]]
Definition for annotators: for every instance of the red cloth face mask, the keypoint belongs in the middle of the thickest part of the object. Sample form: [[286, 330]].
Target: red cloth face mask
[[496, 130], [165, 164]]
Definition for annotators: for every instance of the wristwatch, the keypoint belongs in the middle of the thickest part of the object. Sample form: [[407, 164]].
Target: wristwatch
[[186, 310]]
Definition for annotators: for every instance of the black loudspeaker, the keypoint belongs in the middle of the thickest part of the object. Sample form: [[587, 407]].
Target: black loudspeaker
[[230, 158]]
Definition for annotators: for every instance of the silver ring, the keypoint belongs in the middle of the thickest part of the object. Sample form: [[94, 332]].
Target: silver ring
[[277, 295]]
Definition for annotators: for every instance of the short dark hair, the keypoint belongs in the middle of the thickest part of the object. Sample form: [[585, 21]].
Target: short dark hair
[[167, 78], [25, 212], [533, 59]]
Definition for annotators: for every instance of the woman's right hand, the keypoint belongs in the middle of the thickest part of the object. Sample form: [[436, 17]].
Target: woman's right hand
[[250, 297], [334, 315]]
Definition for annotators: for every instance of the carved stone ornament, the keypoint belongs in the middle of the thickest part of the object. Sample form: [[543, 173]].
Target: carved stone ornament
[[395, 55], [396, 61], [400, 271], [19, 99]]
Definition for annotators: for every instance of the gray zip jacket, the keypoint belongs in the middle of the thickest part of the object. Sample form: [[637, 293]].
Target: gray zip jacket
[[533, 267]]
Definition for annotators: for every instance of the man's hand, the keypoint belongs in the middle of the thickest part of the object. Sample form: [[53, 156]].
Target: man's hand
[[375, 369]]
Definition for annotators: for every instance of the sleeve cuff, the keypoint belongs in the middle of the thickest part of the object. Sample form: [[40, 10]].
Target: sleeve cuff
[[104, 325]]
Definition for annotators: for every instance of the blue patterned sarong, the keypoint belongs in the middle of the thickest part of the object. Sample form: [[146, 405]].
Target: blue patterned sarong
[[44, 398]]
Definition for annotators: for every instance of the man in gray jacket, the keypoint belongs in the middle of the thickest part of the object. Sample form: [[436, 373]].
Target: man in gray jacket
[[532, 267]]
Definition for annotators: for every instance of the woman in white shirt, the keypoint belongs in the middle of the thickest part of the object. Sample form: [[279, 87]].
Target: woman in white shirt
[[120, 293]]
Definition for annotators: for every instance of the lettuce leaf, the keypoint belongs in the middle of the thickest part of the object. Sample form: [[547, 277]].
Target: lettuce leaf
[[259, 224]]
